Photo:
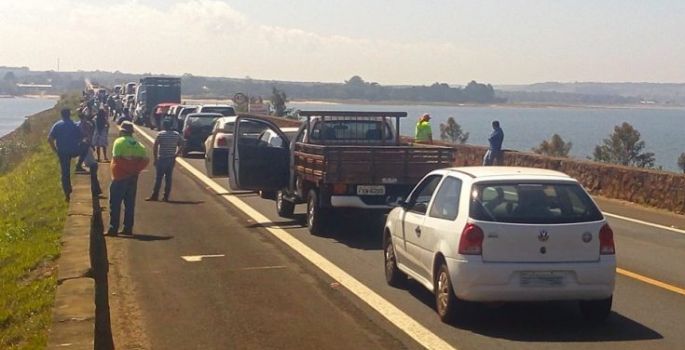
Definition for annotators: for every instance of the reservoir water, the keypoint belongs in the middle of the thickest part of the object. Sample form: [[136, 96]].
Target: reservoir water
[[662, 129], [14, 110]]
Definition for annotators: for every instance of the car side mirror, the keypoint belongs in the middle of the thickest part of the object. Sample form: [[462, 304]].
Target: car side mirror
[[396, 202]]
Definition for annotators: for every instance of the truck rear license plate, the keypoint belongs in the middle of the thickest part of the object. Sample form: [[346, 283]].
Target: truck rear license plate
[[364, 190], [542, 279]]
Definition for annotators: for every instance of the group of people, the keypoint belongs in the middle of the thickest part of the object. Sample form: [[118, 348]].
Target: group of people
[[71, 140], [493, 156]]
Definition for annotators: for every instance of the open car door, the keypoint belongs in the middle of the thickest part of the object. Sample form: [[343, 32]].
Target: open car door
[[254, 164]]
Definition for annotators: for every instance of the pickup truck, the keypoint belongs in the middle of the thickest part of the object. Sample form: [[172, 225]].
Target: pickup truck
[[338, 160]]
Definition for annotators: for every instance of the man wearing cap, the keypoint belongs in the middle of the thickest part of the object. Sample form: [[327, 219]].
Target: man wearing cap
[[129, 158], [424, 133], [168, 145], [64, 139]]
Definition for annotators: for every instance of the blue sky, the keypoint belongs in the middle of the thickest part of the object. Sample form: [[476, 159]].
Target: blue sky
[[392, 42]]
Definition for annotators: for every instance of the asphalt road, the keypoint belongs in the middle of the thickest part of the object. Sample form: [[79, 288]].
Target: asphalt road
[[644, 315]]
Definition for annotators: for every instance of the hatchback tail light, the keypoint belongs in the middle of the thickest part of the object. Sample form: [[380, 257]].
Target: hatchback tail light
[[471, 241], [606, 241], [221, 141]]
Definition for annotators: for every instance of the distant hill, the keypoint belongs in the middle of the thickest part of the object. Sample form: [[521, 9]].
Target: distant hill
[[12, 78], [658, 93]]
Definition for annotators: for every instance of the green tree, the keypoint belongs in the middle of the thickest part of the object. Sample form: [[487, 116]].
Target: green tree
[[278, 101], [452, 132], [624, 147], [681, 161], [554, 147]]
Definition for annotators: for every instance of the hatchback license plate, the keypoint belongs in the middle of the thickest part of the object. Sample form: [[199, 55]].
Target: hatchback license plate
[[364, 190], [542, 279]]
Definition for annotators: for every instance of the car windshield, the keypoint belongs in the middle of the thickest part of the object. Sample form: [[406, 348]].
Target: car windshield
[[226, 111], [207, 120], [358, 130], [532, 203]]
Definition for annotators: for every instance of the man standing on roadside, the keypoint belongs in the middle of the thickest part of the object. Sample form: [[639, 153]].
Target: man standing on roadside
[[64, 138], [494, 155], [129, 158], [424, 133], [87, 128], [168, 145]]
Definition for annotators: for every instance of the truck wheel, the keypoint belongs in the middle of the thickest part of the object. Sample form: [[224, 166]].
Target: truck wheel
[[596, 310], [284, 207], [316, 216], [393, 276], [267, 195], [209, 168]]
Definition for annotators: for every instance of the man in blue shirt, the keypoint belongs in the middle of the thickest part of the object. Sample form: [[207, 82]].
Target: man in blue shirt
[[64, 139], [494, 155]]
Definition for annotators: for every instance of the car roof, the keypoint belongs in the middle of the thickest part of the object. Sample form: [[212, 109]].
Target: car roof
[[167, 104], [215, 105], [205, 114], [507, 172]]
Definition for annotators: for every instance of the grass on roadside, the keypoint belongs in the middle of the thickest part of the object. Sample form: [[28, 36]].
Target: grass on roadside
[[32, 215]]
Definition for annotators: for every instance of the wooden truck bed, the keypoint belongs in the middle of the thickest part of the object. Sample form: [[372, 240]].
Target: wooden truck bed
[[403, 164]]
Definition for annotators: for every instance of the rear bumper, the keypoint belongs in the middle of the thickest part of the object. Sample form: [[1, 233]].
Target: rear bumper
[[354, 202], [474, 280]]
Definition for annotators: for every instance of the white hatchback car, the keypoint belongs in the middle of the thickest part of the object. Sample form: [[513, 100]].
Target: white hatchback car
[[499, 234]]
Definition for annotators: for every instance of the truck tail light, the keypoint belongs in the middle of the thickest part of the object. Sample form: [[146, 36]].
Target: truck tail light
[[471, 241], [221, 141], [606, 241], [339, 188]]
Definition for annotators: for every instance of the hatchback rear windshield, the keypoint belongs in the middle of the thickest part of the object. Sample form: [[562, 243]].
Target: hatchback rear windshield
[[226, 111], [202, 121], [532, 203]]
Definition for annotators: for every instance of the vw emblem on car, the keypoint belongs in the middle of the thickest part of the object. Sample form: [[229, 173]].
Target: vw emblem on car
[[543, 236], [587, 237]]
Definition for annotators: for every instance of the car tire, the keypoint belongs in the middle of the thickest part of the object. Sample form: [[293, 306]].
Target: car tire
[[316, 216], [184, 153], [393, 276], [285, 208], [596, 310], [446, 302]]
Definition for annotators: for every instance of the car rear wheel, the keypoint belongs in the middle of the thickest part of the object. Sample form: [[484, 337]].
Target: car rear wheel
[[316, 216], [285, 208], [596, 310], [393, 275], [446, 302]]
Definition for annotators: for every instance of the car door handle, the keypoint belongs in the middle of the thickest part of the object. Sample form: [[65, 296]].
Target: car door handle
[[418, 230]]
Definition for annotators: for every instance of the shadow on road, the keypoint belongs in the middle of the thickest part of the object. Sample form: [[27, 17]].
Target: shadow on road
[[356, 231], [143, 237], [539, 322]]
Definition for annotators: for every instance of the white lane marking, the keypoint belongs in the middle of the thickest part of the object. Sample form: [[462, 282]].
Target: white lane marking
[[663, 227], [197, 258], [393, 314]]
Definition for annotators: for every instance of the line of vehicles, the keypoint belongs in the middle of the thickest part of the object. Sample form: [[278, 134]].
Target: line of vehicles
[[469, 234]]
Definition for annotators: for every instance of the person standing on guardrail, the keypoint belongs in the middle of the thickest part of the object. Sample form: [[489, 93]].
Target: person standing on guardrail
[[168, 145], [424, 133], [100, 134], [86, 126], [129, 158], [64, 139], [494, 155]]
